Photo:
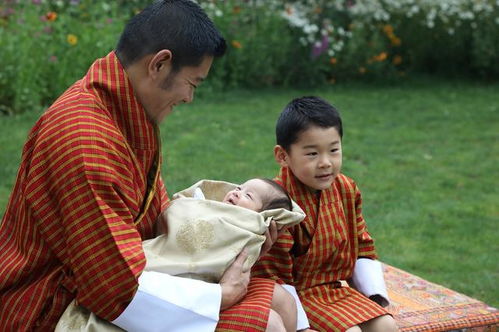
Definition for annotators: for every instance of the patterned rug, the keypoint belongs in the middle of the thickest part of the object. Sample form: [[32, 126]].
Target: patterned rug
[[419, 305]]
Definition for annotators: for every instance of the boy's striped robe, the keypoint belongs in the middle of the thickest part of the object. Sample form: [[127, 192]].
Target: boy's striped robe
[[315, 255], [87, 194]]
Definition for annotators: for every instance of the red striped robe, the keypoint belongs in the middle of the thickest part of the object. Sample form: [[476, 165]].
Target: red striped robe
[[87, 193], [316, 254]]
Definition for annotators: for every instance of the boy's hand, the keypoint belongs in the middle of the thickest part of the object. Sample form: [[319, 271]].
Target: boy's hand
[[271, 235], [234, 281]]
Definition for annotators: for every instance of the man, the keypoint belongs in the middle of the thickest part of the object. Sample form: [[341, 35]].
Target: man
[[88, 191]]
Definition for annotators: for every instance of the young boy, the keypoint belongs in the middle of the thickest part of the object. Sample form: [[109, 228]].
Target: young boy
[[315, 255], [200, 234]]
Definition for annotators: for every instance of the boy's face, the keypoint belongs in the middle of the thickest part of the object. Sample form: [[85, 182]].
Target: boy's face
[[249, 195], [315, 159]]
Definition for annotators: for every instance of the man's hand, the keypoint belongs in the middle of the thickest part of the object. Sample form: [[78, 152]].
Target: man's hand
[[235, 282], [271, 235]]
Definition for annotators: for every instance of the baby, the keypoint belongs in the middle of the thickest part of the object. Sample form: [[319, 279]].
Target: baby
[[258, 194], [200, 234]]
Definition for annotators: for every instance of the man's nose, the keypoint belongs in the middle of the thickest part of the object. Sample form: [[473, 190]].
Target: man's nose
[[189, 98]]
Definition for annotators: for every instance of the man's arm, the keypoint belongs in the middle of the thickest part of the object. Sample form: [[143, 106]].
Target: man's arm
[[168, 303]]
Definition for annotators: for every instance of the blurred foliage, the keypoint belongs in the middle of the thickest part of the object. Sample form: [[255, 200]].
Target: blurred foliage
[[47, 45]]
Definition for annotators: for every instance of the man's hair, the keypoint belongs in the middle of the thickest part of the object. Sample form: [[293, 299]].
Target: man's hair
[[180, 26], [302, 113], [278, 199]]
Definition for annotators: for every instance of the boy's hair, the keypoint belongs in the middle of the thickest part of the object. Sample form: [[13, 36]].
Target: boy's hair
[[302, 113], [279, 201], [180, 26]]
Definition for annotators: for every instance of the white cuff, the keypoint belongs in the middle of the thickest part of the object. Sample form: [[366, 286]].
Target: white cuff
[[168, 303], [301, 315], [368, 279]]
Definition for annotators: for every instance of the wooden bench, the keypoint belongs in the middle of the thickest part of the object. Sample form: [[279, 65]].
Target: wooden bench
[[419, 305]]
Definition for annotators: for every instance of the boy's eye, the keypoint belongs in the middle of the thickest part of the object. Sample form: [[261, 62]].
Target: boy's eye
[[335, 150], [311, 153]]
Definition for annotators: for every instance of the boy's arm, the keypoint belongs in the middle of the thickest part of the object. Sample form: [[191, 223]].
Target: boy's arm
[[367, 276], [365, 241], [368, 279]]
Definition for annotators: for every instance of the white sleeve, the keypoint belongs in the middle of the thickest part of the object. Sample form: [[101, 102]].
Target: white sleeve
[[301, 317], [368, 279], [169, 303]]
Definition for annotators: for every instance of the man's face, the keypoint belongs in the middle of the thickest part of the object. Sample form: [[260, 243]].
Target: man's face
[[249, 195], [315, 159], [172, 88]]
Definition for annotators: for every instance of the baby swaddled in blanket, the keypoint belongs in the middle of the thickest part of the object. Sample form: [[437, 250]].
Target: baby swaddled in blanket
[[201, 233]]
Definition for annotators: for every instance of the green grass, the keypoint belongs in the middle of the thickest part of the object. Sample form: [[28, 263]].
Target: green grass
[[424, 153]]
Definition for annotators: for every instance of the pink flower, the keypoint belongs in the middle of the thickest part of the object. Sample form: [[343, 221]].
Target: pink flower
[[321, 47]]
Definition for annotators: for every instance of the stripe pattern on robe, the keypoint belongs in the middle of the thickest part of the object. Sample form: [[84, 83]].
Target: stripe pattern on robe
[[253, 313], [81, 204], [317, 254], [76, 217], [83, 201]]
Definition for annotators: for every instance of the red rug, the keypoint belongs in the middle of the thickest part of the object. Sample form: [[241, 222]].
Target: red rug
[[419, 305]]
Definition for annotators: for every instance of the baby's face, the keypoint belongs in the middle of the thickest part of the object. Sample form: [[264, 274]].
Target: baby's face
[[249, 195]]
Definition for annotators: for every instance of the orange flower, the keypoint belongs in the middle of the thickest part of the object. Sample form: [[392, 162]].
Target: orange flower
[[362, 70], [381, 57], [236, 44], [395, 41], [236, 10], [51, 16], [333, 61], [397, 60], [72, 39], [388, 29]]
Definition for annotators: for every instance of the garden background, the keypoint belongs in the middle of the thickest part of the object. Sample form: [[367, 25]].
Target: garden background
[[416, 82]]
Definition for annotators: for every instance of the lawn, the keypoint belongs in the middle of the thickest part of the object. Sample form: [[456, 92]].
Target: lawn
[[424, 153]]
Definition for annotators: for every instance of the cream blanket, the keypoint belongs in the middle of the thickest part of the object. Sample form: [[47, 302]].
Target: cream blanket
[[204, 238]]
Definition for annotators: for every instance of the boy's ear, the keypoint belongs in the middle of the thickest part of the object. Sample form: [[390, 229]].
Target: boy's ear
[[281, 156]]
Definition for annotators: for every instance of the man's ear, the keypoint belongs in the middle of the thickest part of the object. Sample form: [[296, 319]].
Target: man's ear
[[281, 156], [160, 64]]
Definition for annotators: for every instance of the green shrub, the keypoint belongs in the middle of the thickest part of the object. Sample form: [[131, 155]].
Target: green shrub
[[47, 45]]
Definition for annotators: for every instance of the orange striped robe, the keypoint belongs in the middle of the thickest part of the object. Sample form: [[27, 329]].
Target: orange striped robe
[[87, 193], [316, 254]]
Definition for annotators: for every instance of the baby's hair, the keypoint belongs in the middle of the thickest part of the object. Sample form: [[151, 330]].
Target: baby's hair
[[302, 113], [282, 201]]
